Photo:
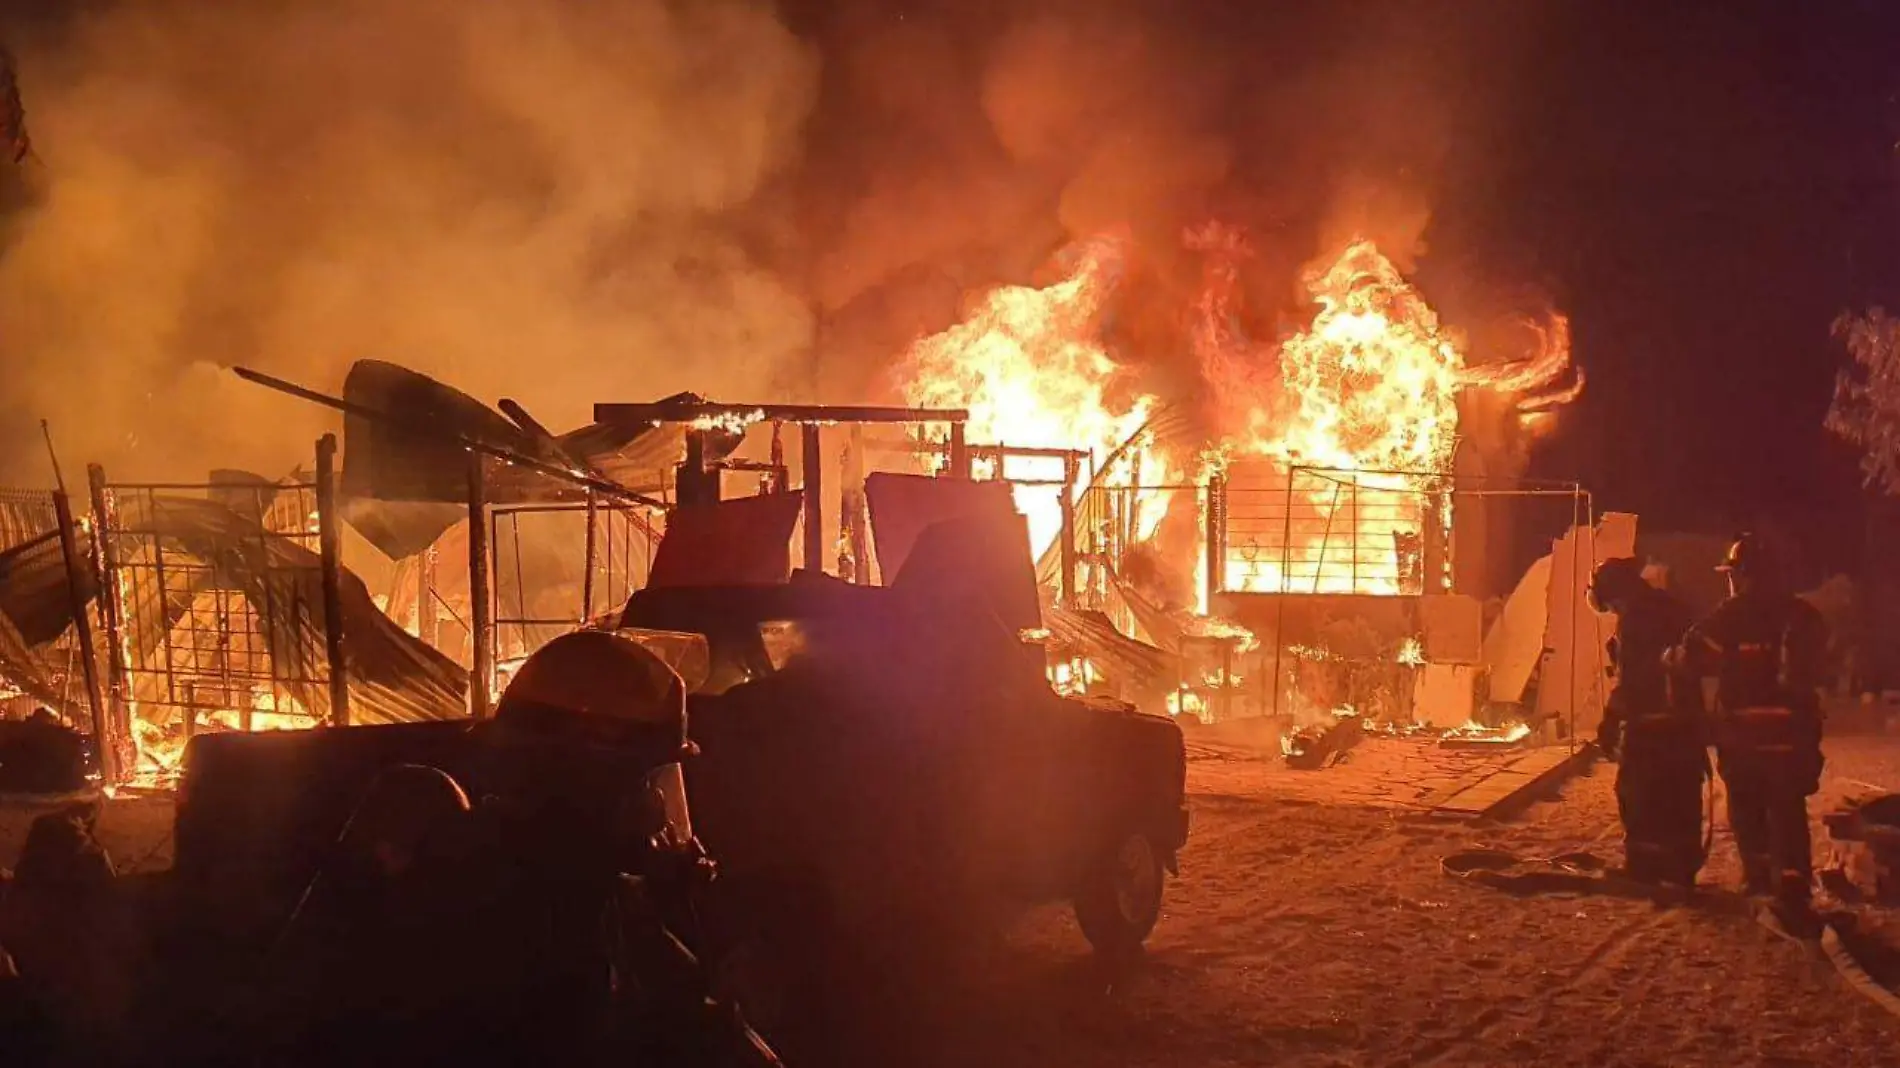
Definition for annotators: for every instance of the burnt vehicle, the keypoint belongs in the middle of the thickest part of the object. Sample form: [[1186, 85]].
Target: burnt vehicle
[[526, 888]]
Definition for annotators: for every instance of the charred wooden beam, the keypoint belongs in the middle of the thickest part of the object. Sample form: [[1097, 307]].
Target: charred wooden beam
[[694, 411], [481, 632], [111, 605], [814, 463], [959, 453], [82, 627], [330, 554]]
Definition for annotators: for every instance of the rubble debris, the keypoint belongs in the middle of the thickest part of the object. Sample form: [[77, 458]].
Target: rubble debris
[[40, 755], [1866, 866], [1316, 747]]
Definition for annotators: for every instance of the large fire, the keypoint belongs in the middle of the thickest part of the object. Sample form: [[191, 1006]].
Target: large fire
[[1029, 365], [1358, 411]]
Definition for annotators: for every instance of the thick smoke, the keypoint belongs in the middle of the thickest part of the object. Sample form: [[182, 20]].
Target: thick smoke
[[585, 199], [528, 200], [963, 144]]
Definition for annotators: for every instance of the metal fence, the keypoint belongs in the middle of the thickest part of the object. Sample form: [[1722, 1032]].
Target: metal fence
[[213, 635], [1311, 530], [534, 604]]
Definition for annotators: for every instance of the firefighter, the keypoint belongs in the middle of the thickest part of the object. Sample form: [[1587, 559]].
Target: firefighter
[[1649, 727], [1767, 648]]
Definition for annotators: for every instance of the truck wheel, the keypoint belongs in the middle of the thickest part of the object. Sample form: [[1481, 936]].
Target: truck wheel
[[1120, 898]]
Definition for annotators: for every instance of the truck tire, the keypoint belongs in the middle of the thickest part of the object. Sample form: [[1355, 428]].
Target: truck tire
[[1120, 897]]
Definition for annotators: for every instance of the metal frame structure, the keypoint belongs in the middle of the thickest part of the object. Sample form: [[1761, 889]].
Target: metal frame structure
[[708, 416], [1582, 520], [618, 556], [212, 649]]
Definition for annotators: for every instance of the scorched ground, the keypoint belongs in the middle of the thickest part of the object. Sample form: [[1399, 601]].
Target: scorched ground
[[1304, 932]]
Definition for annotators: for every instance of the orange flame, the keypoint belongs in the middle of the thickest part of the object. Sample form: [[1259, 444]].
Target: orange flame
[[1369, 388], [1368, 394], [1029, 366]]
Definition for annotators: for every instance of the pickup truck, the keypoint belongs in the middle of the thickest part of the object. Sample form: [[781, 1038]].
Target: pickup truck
[[850, 747], [858, 743], [891, 755]]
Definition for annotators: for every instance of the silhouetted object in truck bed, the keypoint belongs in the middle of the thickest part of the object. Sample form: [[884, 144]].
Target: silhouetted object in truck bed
[[40, 756], [896, 755]]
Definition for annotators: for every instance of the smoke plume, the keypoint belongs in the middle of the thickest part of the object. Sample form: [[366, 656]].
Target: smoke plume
[[527, 200], [574, 200]]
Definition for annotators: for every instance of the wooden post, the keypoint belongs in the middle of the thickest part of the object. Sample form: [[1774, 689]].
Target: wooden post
[[814, 499], [1065, 589], [480, 612], [1434, 559], [696, 484], [102, 741], [330, 549], [960, 453], [1216, 537], [587, 576], [426, 622], [105, 551], [852, 501]]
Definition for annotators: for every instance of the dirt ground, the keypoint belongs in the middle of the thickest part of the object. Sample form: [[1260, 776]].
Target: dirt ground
[[1309, 932]]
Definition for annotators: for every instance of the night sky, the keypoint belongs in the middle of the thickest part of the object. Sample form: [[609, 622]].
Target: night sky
[[1703, 188]]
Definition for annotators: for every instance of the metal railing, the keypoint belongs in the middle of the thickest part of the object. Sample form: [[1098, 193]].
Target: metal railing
[[618, 543]]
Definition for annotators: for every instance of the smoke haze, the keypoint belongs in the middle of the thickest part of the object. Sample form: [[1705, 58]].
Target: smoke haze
[[569, 201], [525, 200]]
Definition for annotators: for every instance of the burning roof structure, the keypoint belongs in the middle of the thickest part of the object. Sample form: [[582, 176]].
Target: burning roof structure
[[405, 475]]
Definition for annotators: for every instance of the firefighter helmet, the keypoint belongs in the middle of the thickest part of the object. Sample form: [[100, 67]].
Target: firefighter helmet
[[1748, 554]]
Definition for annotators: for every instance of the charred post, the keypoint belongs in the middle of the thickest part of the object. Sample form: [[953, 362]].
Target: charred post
[[1434, 544], [105, 551], [856, 535], [330, 548], [481, 633], [1065, 589], [696, 482], [814, 463], [593, 547], [102, 741], [426, 616], [1216, 536], [960, 452]]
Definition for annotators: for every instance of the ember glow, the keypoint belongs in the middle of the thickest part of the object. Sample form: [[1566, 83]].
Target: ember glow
[[1029, 365]]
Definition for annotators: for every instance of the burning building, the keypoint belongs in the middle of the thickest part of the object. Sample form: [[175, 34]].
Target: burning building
[[1301, 516]]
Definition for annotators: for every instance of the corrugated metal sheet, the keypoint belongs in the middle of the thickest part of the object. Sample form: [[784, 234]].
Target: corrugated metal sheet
[[37, 652], [394, 677]]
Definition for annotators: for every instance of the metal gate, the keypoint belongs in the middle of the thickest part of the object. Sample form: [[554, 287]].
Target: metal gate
[[615, 545], [216, 616]]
